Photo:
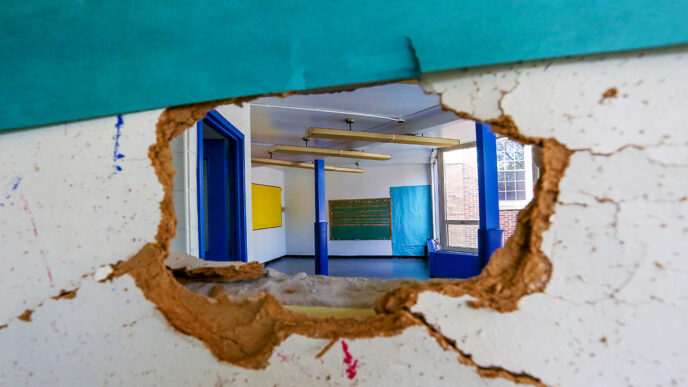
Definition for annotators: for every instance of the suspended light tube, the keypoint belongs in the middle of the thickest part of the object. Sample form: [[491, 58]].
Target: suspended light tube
[[328, 152], [331, 111], [296, 164], [353, 135]]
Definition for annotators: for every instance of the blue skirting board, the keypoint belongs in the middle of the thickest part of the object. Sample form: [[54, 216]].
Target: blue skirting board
[[452, 264]]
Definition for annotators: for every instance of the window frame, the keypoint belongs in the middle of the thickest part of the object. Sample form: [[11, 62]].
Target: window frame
[[528, 163], [444, 222]]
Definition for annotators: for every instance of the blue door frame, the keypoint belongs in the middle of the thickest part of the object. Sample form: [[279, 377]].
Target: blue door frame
[[227, 220]]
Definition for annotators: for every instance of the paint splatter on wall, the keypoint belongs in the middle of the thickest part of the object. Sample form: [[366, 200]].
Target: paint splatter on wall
[[116, 155], [27, 210], [349, 361], [9, 189]]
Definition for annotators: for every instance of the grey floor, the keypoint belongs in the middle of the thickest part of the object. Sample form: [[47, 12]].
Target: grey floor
[[358, 267]]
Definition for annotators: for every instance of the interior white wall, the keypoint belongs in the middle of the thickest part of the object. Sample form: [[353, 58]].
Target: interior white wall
[[374, 183], [269, 243], [184, 158]]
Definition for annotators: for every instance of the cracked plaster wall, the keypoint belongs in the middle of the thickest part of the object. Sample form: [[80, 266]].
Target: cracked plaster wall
[[613, 312], [615, 309]]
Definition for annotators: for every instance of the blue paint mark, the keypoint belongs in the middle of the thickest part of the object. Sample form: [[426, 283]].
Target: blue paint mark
[[16, 183], [12, 186], [116, 155]]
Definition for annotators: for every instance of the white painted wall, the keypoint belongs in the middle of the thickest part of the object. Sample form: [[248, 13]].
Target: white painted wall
[[65, 210], [184, 159], [617, 244], [269, 243], [185, 195], [374, 183]]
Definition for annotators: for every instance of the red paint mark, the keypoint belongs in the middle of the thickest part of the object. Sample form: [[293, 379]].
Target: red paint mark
[[47, 268], [53, 325], [285, 358], [349, 360], [35, 233], [26, 209], [306, 372]]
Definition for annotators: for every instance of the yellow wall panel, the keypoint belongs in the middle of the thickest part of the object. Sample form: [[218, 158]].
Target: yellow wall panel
[[267, 206]]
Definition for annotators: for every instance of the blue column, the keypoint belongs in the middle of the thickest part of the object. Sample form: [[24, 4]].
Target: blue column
[[489, 233], [320, 229]]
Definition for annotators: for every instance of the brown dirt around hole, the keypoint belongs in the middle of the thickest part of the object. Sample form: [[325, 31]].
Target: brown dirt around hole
[[244, 331]]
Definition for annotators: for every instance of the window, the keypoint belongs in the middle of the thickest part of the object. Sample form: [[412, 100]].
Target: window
[[515, 174], [459, 202]]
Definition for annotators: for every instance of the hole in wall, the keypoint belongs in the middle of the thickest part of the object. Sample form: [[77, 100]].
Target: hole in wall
[[376, 248], [245, 330]]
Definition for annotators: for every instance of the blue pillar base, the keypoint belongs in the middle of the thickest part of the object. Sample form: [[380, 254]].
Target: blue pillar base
[[452, 264], [320, 229], [488, 241]]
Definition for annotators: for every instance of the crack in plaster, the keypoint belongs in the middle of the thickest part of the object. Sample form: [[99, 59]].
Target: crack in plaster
[[490, 371], [62, 295], [517, 83], [66, 294], [632, 268], [617, 209], [643, 147]]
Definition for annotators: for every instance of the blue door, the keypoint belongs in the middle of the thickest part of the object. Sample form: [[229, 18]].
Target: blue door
[[215, 207]]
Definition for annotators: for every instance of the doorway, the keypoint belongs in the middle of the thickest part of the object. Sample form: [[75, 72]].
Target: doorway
[[221, 190]]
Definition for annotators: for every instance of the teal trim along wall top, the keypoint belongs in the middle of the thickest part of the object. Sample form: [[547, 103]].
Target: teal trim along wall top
[[72, 59]]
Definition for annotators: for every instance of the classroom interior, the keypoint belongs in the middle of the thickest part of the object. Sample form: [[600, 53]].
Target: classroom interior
[[376, 182]]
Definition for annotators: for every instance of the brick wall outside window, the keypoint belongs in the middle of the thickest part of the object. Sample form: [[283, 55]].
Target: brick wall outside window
[[507, 222], [461, 186]]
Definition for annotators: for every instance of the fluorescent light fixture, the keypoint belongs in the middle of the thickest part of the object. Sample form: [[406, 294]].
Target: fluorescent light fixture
[[353, 135], [331, 111], [296, 164], [328, 152]]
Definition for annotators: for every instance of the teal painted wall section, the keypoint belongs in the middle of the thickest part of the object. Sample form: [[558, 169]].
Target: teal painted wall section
[[72, 59], [411, 219]]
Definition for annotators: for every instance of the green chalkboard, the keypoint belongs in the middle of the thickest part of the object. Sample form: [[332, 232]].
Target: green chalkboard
[[360, 219]]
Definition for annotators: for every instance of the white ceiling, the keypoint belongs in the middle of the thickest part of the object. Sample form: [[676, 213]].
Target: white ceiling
[[422, 114]]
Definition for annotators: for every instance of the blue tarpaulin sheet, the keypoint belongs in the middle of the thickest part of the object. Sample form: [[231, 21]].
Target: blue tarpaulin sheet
[[411, 219]]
